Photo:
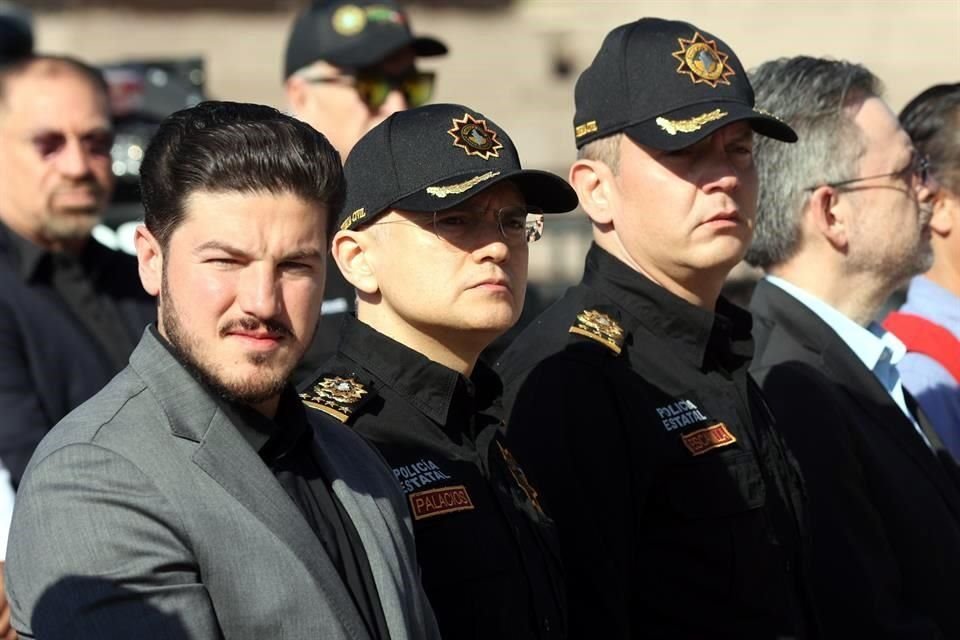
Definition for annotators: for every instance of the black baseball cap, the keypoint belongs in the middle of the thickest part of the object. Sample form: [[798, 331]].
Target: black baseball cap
[[16, 34], [353, 34], [666, 85], [435, 157]]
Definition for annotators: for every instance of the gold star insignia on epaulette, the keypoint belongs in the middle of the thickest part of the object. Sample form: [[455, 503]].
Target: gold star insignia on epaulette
[[600, 327], [703, 61], [336, 396]]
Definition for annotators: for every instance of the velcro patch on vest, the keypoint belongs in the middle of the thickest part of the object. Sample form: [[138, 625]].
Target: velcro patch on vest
[[702, 440], [436, 502]]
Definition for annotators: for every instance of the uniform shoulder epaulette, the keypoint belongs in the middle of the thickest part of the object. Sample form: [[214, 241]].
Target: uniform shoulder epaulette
[[339, 396], [600, 327]]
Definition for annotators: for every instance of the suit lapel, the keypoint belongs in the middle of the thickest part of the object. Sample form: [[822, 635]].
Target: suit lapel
[[225, 456], [842, 366]]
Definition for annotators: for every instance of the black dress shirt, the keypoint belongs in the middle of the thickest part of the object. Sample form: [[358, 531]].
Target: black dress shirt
[[74, 278], [487, 550], [679, 509]]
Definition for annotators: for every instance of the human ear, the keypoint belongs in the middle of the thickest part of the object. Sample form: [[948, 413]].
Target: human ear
[[149, 260], [352, 251], [829, 216], [594, 183]]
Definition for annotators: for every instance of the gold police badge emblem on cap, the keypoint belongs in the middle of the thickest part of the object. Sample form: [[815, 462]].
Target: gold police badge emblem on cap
[[349, 20], [336, 396], [703, 61], [475, 137]]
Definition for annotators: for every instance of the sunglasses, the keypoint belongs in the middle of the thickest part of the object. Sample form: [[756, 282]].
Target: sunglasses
[[374, 86]]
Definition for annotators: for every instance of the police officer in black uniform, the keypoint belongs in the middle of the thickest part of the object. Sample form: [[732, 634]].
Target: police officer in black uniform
[[678, 506], [434, 236]]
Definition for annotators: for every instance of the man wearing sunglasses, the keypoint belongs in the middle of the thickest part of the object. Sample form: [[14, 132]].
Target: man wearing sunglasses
[[843, 221], [434, 236], [350, 64]]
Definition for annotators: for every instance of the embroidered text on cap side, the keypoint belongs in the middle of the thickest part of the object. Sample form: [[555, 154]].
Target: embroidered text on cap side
[[585, 128]]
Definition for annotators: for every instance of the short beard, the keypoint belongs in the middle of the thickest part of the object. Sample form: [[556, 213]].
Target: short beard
[[186, 349], [69, 226]]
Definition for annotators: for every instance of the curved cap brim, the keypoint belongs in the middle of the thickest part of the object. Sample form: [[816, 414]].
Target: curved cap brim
[[540, 189], [681, 128]]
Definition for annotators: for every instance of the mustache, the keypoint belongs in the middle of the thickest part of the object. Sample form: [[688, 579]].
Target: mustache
[[70, 185], [248, 323]]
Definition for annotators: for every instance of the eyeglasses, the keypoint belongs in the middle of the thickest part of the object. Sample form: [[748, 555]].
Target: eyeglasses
[[517, 225], [918, 167], [374, 86]]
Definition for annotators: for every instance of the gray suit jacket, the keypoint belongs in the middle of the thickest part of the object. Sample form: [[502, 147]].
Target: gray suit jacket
[[145, 514]]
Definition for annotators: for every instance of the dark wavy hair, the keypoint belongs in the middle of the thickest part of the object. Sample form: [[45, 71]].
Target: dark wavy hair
[[225, 147], [932, 120]]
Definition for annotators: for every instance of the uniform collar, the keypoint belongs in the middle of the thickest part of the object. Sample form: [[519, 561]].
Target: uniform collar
[[439, 392], [693, 331]]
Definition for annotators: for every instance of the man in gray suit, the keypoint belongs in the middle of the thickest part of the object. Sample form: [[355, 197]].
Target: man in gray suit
[[191, 497]]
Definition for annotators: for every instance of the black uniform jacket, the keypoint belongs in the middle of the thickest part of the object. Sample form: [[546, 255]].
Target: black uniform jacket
[[50, 361], [679, 511], [488, 553], [884, 507]]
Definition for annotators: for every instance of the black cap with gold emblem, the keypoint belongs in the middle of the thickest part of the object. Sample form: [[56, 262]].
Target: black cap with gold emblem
[[667, 85], [432, 158], [353, 34]]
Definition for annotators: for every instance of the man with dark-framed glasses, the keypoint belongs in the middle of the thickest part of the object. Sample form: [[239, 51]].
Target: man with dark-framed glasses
[[434, 237], [349, 64], [843, 221]]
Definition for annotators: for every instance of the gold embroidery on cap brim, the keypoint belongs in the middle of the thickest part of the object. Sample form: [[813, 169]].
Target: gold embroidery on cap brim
[[460, 187], [693, 124], [763, 112], [585, 128]]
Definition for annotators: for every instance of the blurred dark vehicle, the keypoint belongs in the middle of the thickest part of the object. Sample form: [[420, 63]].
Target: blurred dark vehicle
[[142, 94]]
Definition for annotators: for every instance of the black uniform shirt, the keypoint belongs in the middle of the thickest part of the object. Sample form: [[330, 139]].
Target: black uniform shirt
[[487, 552], [75, 278], [679, 509]]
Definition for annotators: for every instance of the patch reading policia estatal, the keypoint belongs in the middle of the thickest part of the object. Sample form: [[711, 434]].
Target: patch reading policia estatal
[[666, 85]]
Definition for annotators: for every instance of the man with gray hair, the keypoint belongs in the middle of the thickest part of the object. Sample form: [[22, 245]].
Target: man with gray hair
[[842, 222]]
